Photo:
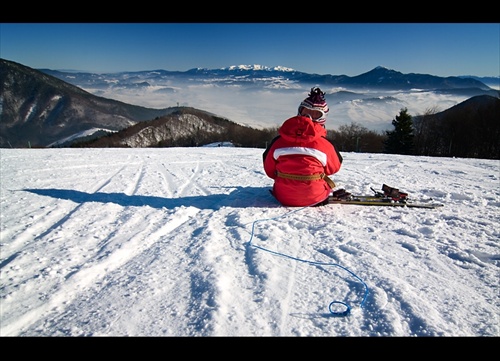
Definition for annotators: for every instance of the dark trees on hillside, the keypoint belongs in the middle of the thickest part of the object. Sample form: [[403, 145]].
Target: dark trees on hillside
[[400, 140], [470, 131], [356, 138], [425, 140]]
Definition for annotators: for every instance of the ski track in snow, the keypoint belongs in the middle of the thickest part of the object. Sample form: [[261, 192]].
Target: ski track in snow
[[189, 242]]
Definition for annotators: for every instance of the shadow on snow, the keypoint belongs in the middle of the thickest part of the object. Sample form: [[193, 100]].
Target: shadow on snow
[[240, 197]]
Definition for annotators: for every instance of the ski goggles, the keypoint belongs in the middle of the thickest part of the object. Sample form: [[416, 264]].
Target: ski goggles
[[314, 114]]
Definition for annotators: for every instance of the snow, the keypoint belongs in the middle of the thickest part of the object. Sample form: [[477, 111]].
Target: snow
[[189, 242]]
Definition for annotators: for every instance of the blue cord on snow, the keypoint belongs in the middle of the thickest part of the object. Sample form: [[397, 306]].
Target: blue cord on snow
[[333, 303]]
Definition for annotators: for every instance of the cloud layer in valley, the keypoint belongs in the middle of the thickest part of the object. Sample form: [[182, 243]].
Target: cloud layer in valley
[[270, 107]]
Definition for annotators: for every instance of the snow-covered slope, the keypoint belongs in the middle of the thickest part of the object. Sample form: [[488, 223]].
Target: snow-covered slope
[[189, 242]]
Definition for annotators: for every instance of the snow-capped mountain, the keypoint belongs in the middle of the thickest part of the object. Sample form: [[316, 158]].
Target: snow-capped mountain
[[250, 95], [258, 67], [263, 76], [261, 96], [39, 110]]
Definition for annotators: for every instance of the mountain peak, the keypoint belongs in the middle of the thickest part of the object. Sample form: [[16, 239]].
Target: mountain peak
[[258, 67]]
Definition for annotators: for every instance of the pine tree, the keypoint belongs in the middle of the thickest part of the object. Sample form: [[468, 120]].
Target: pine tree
[[400, 140]]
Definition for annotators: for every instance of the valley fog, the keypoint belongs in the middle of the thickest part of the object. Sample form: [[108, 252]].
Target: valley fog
[[264, 108]]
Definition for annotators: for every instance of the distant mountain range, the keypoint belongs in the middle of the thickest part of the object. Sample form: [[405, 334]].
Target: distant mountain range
[[261, 97], [45, 107], [379, 78], [38, 109]]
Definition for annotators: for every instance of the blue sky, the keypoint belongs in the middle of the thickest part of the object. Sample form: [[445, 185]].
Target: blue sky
[[447, 49]]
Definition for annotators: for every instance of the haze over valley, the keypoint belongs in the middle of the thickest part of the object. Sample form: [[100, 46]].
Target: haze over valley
[[263, 102]]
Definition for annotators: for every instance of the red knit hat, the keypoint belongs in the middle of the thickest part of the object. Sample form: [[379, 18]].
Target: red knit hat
[[316, 102]]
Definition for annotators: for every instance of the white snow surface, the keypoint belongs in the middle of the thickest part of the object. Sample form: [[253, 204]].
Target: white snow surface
[[189, 242]]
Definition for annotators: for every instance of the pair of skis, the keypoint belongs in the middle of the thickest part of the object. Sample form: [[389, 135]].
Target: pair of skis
[[389, 197]]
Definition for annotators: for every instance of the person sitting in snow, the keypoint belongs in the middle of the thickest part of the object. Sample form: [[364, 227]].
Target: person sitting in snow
[[300, 158]]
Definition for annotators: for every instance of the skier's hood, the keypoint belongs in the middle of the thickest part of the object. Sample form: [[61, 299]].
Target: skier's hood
[[301, 130]]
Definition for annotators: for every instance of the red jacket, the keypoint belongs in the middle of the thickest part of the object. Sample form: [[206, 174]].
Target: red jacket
[[301, 148]]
